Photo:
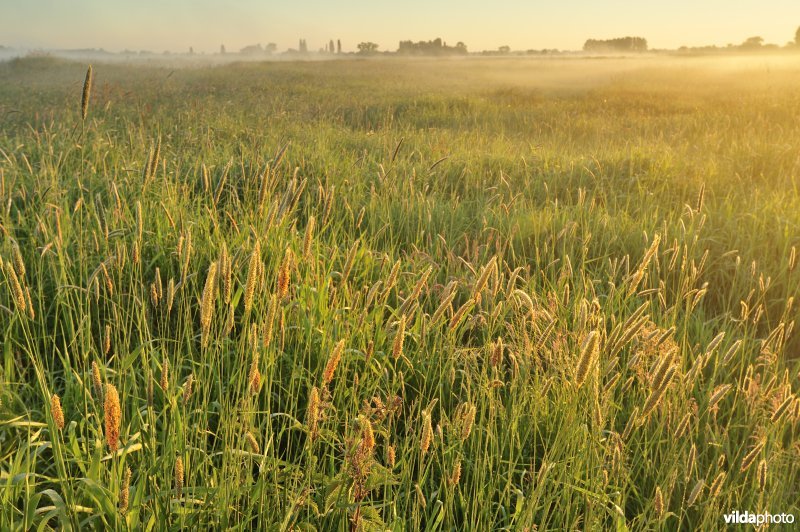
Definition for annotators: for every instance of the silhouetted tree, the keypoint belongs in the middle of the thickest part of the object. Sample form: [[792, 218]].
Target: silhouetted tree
[[753, 43], [252, 49], [303, 46], [797, 37], [271, 48], [367, 47], [222, 48], [622, 44], [434, 47], [191, 50], [504, 49], [338, 46]]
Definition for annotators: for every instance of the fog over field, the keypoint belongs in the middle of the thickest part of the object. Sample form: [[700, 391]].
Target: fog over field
[[508, 292]]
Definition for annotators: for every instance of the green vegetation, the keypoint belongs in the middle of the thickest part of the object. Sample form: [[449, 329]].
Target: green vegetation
[[458, 294]]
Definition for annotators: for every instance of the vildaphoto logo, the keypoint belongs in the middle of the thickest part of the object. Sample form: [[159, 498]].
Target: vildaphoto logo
[[749, 518]]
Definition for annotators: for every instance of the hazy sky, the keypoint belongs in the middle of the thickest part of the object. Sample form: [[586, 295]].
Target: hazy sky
[[176, 25]]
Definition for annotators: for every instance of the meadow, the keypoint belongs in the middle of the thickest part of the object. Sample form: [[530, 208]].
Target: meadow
[[467, 294]]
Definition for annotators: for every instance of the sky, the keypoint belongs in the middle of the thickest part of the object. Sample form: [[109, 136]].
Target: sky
[[175, 25]]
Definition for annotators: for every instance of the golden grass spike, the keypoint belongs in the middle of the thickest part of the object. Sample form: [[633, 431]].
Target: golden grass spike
[[107, 339], [658, 503], [657, 394], [164, 382], [18, 261], [588, 357], [112, 416], [691, 461], [188, 388], [399, 338], [455, 321], [97, 382], [252, 442], [207, 303], [762, 475], [253, 270], [455, 474], [367, 435], [390, 456], [57, 412], [87, 93], [254, 376], [716, 485], [497, 353], [480, 284], [124, 492], [312, 412], [781, 410], [718, 394], [308, 239], [751, 456], [333, 362], [179, 477], [683, 426], [427, 433], [285, 274], [17, 291]]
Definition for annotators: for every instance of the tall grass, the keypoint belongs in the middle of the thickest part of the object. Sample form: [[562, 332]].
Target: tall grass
[[344, 295]]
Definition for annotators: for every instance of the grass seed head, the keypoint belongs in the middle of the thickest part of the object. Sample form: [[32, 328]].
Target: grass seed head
[[587, 358], [57, 412], [397, 345], [112, 416], [179, 477], [252, 443], [87, 93], [124, 492], [427, 433], [333, 362]]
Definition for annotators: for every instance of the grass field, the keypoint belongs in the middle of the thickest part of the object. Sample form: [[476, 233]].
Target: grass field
[[459, 294]]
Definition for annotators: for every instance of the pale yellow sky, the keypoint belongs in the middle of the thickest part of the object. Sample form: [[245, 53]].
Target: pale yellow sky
[[205, 24]]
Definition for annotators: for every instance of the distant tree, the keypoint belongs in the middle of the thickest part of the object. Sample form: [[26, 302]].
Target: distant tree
[[753, 43], [191, 50], [505, 49], [435, 47], [271, 48], [338, 46], [367, 47], [622, 44], [222, 48], [797, 37], [252, 49], [303, 49], [331, 46]]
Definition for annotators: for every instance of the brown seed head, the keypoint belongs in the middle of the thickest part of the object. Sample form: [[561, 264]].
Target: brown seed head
[[57, 412], [112, 415], [87, 93], [164, 383], [427, 433], [254, 377], [397, 346], [333, 362], [284, 274], [658, 502], [179, 477], [207, 303], [97, 382], [252, 443], [588, 357], [188, 388]]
